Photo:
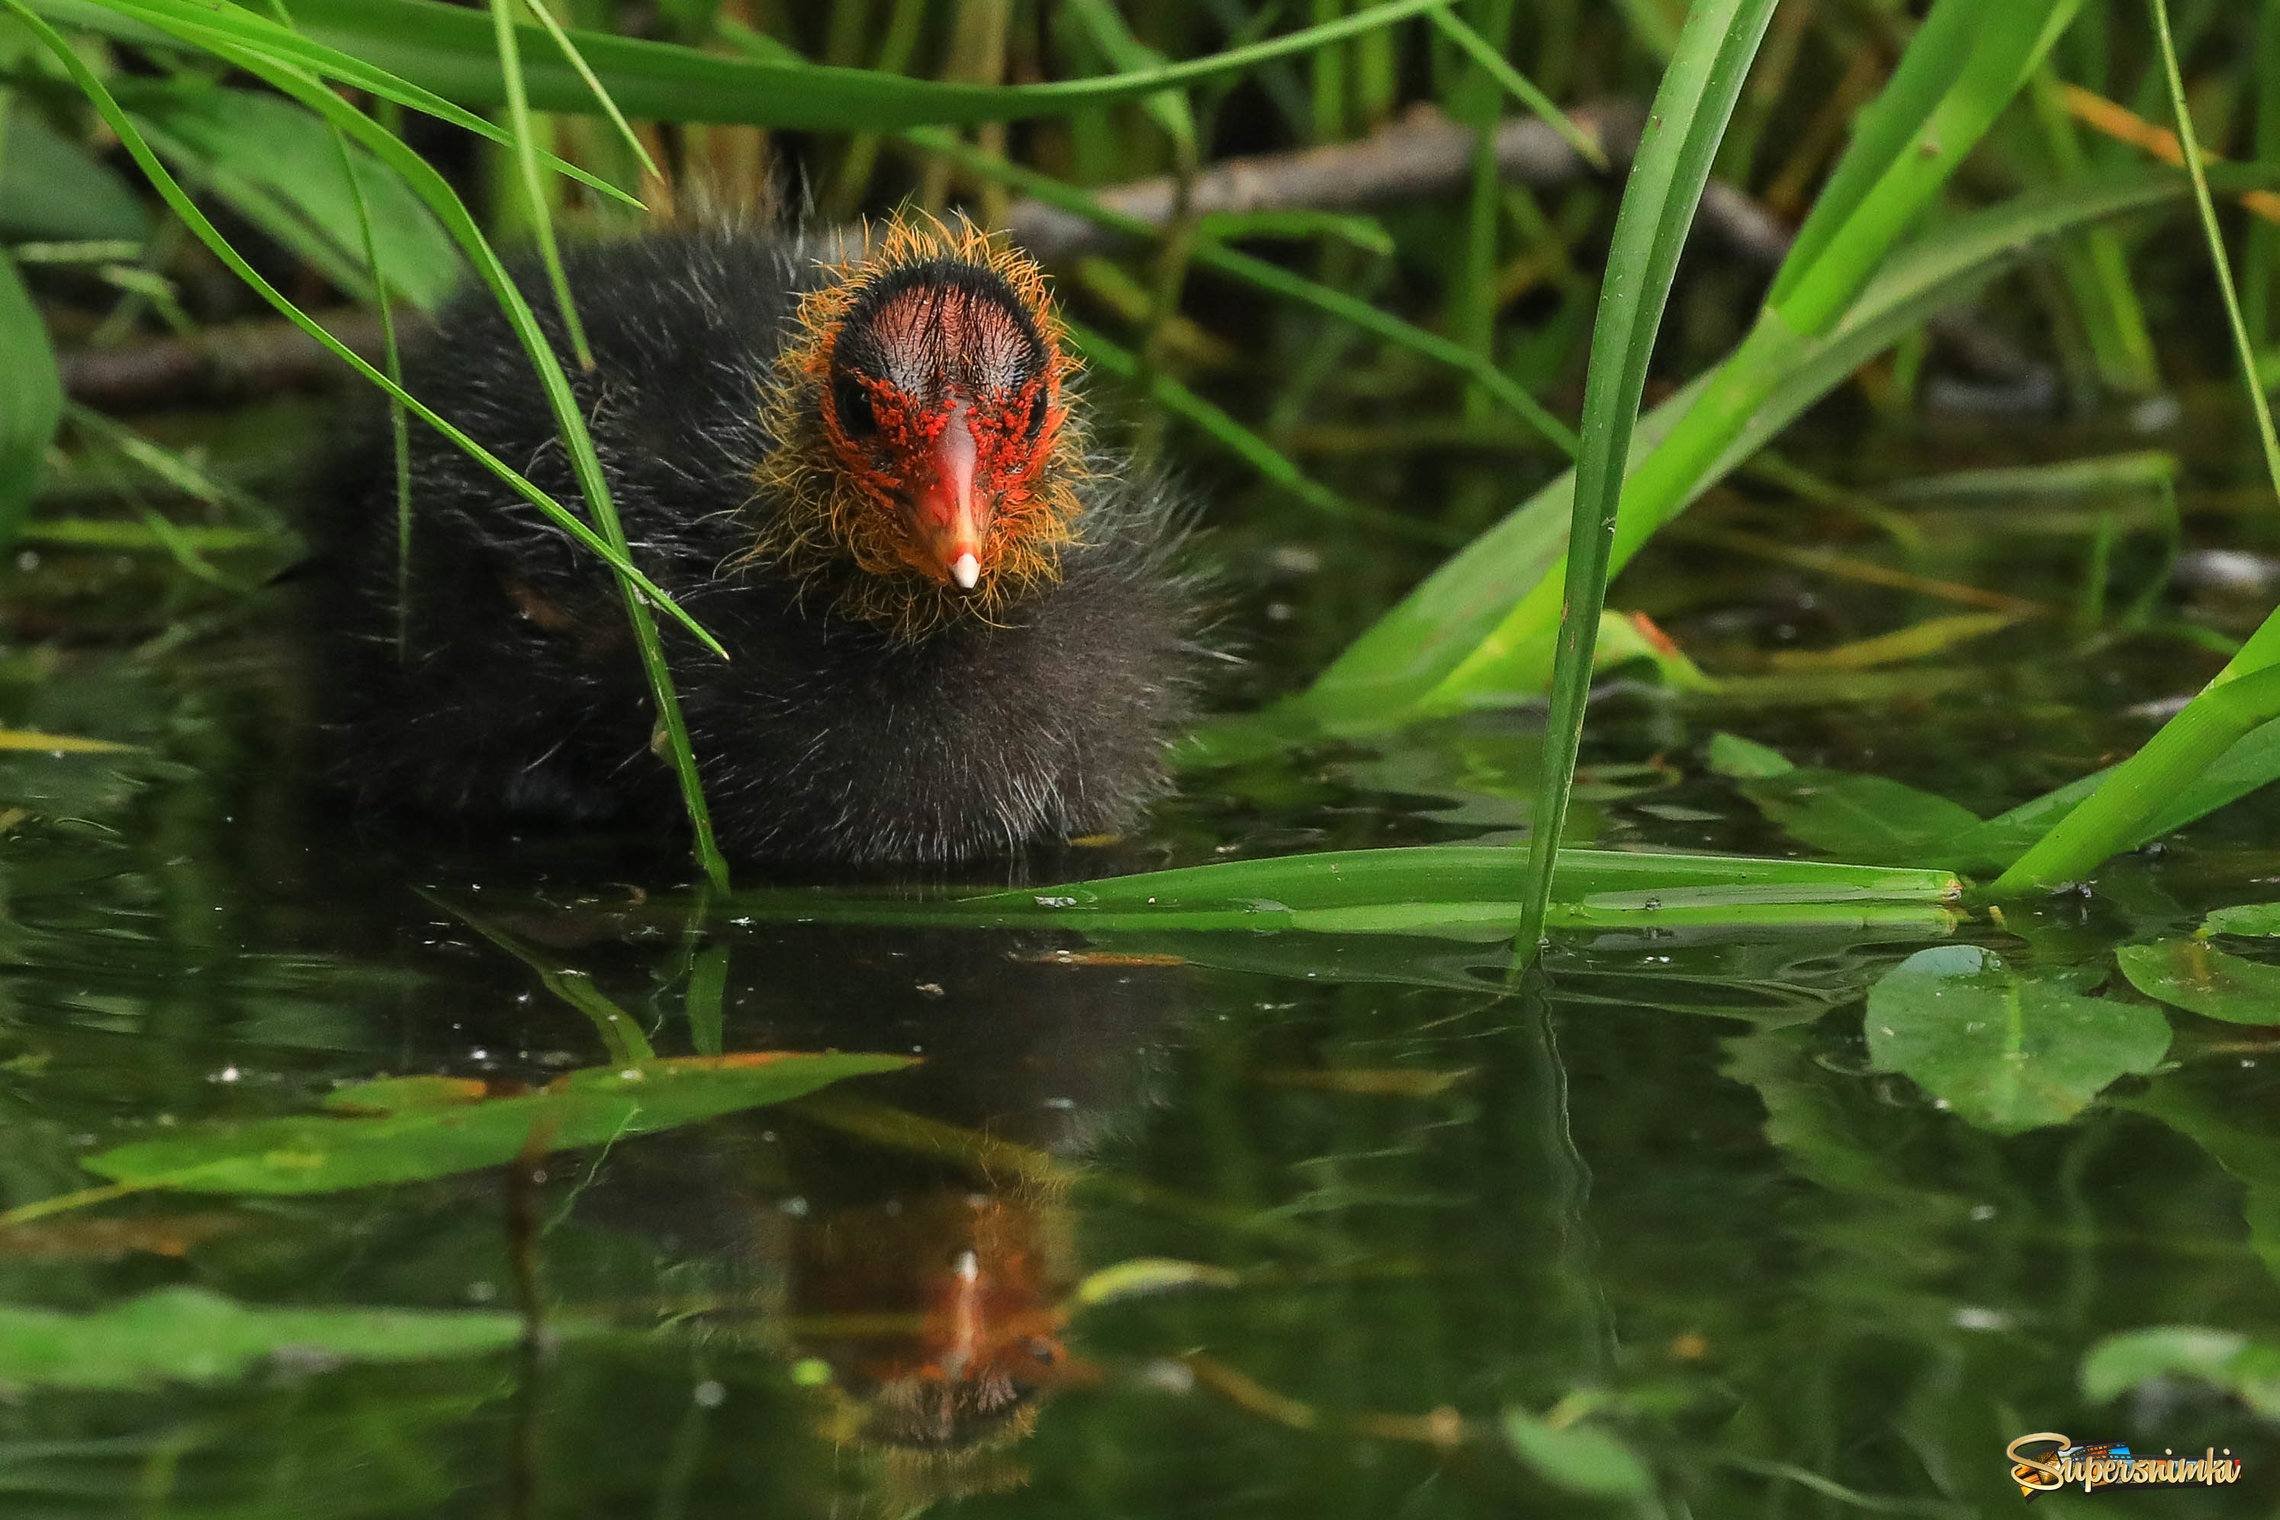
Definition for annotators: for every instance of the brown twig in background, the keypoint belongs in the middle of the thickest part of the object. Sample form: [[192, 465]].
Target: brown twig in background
[[1422, 155]]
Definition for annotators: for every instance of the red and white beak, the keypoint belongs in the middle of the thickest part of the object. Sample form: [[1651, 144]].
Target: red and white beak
[[949, 523]]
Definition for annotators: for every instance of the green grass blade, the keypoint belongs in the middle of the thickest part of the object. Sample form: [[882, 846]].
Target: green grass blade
[[1271, 463], [183, 206], [2246, 693], [1963, 67], [533, 186], [1461, 890], [1939, 109], [577, 60], [31, 399], [1266, 276], [1387, 675], [1684, 127], [448, 51], [579, 443], [214, 26], [1519, 86]]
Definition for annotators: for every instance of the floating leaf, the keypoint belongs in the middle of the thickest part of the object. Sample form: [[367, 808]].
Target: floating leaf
[[423, 1132], [1146, 1275], [2249, 1370], [58, 744], [2261, 919], [1859, 817], [2008, 1052], [1583, 1459], [2199, 978], [189, 1335]]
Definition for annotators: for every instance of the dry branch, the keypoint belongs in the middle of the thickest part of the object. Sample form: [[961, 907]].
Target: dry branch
[[1420, 156]]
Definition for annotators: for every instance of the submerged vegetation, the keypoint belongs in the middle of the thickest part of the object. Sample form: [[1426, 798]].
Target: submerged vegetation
[[1754, 511]]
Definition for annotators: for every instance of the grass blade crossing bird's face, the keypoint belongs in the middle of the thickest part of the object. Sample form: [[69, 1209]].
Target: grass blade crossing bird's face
[[925, 457]]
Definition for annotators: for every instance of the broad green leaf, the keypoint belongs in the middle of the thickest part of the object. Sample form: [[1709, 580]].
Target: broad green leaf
[[432, 1137], [54, 189], [2260, 919], [278, 165], [1581, 1458], [31, 398], [188, 1335], [1462, 891], [2249, 1370], [2008, 1052], [2195, 976]]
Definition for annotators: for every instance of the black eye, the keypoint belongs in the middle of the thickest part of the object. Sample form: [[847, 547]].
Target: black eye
[[852, 403], [1036, 424]]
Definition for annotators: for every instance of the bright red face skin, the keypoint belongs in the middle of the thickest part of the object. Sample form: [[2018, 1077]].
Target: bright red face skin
[[943, 410]]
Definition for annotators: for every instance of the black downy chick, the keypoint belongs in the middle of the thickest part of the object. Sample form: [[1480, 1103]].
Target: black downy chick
[[953, 627]]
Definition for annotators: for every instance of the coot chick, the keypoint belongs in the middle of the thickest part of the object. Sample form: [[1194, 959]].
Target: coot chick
[[953, 625]]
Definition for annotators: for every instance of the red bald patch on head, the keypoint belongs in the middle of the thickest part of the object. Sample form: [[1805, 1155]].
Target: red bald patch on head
[[925, 441]]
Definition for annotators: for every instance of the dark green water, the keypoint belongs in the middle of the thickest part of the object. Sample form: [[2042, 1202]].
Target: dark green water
[[1664, 1195]]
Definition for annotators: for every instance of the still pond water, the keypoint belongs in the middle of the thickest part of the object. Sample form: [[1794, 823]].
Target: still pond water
[[1278, 1225]]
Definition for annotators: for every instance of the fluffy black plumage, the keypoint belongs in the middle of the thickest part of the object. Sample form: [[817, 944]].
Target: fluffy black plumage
[[516, 688]]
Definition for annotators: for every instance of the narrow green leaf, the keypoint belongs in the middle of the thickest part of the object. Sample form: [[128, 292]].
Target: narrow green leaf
[[534, 195], [182, 205], [31, 399], [1519, 86], [448, 52], [189, 1335], [1461, 891], [1388, 675], [427, 1139], [1684, 127]]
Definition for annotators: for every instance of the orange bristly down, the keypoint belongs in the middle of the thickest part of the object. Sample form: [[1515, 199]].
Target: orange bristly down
[[833, 521]]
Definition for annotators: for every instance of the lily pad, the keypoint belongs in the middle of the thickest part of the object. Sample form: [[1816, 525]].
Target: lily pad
[[2008, 1052], [2259, 919], [424, 1129], [189, 1335], [2199, 978]]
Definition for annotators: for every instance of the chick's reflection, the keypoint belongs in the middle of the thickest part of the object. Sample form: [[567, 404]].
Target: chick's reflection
[[938, 1314]]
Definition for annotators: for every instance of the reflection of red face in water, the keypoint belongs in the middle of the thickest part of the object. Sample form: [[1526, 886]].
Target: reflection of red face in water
[[939, 1312]]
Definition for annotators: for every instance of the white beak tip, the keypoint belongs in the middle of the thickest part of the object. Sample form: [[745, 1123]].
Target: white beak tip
[[965, 570]]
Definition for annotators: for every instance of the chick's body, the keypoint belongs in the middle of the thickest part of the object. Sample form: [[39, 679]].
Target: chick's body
[[507, 681]]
